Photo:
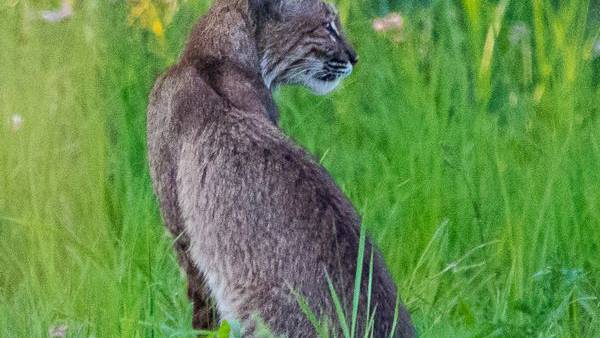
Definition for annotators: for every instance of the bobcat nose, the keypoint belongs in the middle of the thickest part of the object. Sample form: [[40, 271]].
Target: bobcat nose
[[352, 57]]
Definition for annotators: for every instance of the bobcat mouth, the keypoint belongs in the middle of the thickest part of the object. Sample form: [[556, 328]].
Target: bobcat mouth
[[329, 77], [333, 71]]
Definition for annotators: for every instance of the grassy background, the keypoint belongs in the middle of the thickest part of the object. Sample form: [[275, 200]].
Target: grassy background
[[471, 148]]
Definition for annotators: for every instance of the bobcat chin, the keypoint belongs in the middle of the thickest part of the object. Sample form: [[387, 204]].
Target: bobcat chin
[[256, 219]]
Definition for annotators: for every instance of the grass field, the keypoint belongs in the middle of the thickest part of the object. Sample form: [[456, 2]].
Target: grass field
[[469, 142]]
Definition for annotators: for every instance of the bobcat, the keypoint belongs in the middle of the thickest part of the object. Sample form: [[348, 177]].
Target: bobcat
[[256, 220]]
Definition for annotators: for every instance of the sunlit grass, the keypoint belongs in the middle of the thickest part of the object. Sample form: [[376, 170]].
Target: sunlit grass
[[470, 145]]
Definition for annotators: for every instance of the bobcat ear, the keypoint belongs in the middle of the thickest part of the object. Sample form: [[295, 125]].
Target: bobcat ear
[[266, 8], [277, 8]]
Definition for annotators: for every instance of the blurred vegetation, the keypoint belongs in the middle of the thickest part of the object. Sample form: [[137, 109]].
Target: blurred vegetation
[[469, 140]]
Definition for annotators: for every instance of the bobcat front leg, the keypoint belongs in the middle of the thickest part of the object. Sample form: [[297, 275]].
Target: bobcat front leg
[[204, 314]]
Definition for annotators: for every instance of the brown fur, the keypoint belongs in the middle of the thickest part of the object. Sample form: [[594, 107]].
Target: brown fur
[[254, 216]]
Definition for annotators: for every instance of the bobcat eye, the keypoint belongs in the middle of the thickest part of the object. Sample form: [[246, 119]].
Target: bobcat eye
[[332, 28]]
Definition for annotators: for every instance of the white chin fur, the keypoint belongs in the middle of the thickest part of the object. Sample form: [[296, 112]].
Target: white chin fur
[[319, 87]]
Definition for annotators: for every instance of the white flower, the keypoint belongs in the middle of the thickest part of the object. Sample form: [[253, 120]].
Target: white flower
[[393, 24], [390, 22], [58, 15], [16, 122], [596, 49], [58, 330], [518, 32]]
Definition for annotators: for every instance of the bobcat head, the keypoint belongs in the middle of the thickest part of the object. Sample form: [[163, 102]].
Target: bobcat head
[[301, 42]]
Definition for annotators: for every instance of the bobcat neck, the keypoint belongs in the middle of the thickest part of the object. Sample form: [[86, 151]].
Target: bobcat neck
[[223, 49]]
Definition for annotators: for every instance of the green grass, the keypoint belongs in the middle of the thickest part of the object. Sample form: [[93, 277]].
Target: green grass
[[472, 153]]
